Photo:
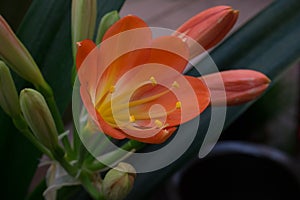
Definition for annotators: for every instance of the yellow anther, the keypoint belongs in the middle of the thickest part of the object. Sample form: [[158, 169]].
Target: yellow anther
[[132, 118], [153, 81], [158, 123], [175, 84], [112, 89], [178, 104]]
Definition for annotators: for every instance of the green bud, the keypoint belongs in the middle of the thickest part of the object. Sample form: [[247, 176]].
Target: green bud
[[84, 14], [14, 53], [9, 99], [118, 181], [106, 22], [38, 117]]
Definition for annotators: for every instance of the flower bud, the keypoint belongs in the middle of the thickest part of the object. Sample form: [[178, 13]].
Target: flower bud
[[208, 28], [9, 99], [118, 182], [237, 86], [38, 117], [106, 22], [14, 53], [84, 14]]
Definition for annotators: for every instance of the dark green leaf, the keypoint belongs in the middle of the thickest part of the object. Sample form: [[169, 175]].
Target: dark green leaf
[[268, 43], [45, 31]]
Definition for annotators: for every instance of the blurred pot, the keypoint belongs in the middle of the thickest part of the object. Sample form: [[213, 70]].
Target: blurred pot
[[237, 170]]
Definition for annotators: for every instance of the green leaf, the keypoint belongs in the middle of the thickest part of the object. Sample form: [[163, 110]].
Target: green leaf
[[268, 43], [45, 31]]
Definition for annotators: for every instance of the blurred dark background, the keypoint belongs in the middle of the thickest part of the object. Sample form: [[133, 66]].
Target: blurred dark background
[[13, 11]]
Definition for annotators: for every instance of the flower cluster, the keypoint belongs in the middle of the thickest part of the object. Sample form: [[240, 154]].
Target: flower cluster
[[131, 84]]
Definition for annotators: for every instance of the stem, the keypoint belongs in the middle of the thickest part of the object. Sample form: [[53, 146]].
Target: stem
[[21, 125], [90, 188], [128, 146], [84, 177], [97, 148], [59, 155]]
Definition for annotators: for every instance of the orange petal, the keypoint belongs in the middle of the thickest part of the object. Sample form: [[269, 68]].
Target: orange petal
[[101, 124], [124, 46], [158, 138], [83, 49], [188, 109], [119, 67], [192, 94], [170, 51], [109, 130], [124, 24]]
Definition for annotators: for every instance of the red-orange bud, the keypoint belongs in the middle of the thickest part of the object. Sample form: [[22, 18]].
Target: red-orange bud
[[208, 28], [240, 86]]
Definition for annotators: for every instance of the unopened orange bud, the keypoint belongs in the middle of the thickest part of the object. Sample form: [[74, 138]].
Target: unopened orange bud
[[208, 28], [238, 87]]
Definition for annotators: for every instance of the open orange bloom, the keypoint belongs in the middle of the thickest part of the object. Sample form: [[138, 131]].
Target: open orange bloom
[[132, 85]]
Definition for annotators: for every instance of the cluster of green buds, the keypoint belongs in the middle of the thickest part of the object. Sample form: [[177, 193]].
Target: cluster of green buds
[[30, 113], [34, 111]]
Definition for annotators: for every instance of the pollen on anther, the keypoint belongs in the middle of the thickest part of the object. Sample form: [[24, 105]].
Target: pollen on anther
[[112, 89], [132, 118], [153, 81], [175, 84], [158, 123], [178, 104]]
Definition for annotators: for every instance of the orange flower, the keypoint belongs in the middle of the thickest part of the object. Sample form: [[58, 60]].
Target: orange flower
[[132, 85]]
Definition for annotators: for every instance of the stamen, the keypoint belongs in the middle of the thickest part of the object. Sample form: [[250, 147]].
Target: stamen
[[184, 39], [132, 118], [112, 89], [165, 131], [178, 104], [175, 84], [153, 81], [158, 123]]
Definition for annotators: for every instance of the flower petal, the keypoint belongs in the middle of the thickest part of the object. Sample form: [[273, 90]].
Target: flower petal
[[170, 51], [158, 138], [126, 23], [109, 130], [83, 49], [128, 36], [192, 94], [97, 119]]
